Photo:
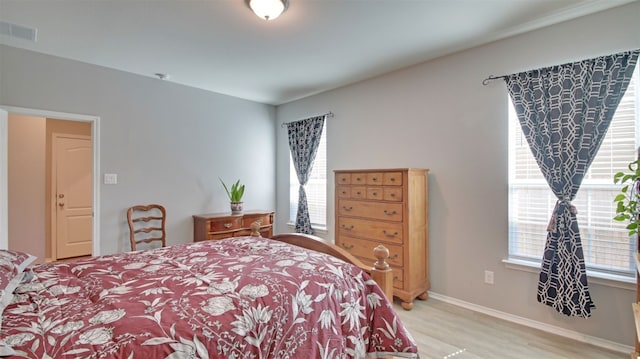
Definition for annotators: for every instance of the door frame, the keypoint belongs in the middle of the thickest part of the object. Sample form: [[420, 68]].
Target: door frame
[[4, 139]]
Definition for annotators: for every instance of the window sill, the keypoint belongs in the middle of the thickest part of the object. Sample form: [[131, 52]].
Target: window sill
[[316, 229], [610, 280]]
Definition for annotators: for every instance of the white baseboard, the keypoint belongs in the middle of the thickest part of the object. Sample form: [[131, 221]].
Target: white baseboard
[[603, 343]]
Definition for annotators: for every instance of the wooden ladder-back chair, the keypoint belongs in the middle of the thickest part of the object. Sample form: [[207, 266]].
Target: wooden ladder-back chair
[[146, 224]]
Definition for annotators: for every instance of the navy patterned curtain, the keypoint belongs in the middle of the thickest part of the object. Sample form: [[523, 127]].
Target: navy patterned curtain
[[304, 137], [564, 112]]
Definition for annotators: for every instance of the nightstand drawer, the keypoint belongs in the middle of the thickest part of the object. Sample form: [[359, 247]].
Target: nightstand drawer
[[262, 219], [225, 224]]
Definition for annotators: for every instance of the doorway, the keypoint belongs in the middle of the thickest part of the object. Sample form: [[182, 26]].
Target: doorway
[[80, 221]]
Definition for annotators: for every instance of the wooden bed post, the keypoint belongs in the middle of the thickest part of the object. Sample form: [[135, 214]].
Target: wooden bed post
[[255, 229], [381, 272]]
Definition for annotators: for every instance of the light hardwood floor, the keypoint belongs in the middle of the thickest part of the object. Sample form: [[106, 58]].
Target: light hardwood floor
[[446, 331]]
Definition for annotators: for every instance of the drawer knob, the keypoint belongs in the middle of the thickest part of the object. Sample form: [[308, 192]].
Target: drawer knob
[[358, 193], [345, 246], [390, 213], [347, 228], [227, 225], [395, 277], [394, 256], [375, 193], [347, 208], [393, 195], [375, 179], [344, 192], [390, 235]]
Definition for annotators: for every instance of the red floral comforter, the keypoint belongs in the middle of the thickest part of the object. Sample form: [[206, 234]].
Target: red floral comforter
[[235, 298]]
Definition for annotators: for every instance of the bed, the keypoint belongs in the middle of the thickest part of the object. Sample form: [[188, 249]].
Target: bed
[[242, 297]]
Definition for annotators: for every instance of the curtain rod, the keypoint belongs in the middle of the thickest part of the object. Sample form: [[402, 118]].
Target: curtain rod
[[485, 82], [328, 114], [491, 77]]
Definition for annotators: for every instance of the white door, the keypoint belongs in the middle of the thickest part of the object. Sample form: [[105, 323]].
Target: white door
[[72, 183]]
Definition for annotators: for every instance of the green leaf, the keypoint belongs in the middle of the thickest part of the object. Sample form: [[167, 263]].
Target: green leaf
[[225, 188], [628, 200], [236, 192]]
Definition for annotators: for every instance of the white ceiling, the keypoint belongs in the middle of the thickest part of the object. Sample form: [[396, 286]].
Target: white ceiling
[[316, 45]]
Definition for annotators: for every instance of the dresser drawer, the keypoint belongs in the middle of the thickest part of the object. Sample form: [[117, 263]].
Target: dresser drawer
[[375, 193], [359, 178], [391, 193], [375, 178], [343, 178], [389, 232], [225, 224], [359, 192], [392, 179], [387, 211], [343, 191], [364, 249]]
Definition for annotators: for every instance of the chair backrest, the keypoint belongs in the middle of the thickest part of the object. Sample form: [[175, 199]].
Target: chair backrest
[[146, 224]]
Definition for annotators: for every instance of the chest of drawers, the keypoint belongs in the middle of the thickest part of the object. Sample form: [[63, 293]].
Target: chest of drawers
[[225, 225], [389, 207]]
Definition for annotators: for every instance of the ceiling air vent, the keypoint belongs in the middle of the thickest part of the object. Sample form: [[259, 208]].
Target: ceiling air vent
[[17, 31]]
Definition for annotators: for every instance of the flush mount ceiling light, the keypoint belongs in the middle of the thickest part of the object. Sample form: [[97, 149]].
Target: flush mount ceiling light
[[268, 9]]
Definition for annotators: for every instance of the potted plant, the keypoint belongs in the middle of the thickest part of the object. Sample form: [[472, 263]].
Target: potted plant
[[629, 197], [235, 195]]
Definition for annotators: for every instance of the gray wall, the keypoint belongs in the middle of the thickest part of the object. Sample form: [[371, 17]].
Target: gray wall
[[168, 143], [439, 116]]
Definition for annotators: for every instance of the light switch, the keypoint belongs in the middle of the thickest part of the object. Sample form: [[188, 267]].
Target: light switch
[[110, 178]]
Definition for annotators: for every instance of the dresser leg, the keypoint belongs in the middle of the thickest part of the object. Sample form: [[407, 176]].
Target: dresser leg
[[423, 296], [407, 305]]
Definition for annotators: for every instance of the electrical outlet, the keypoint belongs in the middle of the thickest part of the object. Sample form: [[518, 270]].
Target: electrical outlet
[[488, 277]]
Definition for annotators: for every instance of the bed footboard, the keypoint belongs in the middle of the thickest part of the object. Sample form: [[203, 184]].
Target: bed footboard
[[380, 272]]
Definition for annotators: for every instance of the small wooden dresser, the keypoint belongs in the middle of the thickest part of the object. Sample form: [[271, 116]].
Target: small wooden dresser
[[389, 207], [225, 225]]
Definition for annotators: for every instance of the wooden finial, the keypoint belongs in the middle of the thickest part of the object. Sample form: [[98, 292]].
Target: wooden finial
[[255, 229], [381, 253]]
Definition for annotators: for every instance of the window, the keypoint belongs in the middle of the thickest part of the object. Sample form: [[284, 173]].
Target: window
[[316, 188], [606, 243]]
